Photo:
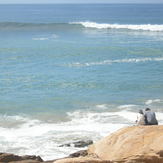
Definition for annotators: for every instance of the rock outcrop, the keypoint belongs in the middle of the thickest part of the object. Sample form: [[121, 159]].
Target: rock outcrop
[[136, 144], [79, 154], [79, 144], [11, 158], [130, 143]]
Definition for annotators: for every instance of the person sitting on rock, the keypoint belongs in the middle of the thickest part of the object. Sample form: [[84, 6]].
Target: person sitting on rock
[[150, 117], [141, 118]]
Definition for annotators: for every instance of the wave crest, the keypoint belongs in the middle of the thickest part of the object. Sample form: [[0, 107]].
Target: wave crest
[[86, 24], [144, 27], [107, 62]]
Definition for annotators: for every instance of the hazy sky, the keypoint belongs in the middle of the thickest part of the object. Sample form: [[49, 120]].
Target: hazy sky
[[81, 1]]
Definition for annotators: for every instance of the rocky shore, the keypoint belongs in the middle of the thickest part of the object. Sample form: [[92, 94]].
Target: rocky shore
[[136, 144]]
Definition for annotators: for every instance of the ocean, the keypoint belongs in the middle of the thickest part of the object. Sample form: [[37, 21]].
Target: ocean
[[74, 72]]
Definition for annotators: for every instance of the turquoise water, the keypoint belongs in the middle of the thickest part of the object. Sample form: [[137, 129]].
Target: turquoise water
[[65, 67]]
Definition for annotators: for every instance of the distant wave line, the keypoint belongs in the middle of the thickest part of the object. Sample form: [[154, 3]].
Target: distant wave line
[[28, 25], [105, 62], [86, 24]]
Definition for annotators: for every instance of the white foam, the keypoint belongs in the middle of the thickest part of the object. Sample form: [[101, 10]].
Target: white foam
[[98, 123], [102, 106], [41, 38], [36, 137], [54, 36], [108, 62], [159, 117], [126, 106], [51, 37], [144, 27], [149, 102], [130, 116]]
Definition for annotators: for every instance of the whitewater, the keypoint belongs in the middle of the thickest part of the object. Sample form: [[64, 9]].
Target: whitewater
[[143, 27], [32, 136]]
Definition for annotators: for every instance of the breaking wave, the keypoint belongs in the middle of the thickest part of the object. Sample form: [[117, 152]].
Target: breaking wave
[[79, 25], [144, 27], [32, 136], [23, 134]]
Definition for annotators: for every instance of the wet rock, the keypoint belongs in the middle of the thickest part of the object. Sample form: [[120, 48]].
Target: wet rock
[[33, 157], [25, 161], [7, 157], [11, 158], [160, 153], [78, 154], [79, 144]]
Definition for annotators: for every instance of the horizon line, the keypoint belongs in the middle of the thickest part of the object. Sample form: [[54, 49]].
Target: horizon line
[[83, 3]]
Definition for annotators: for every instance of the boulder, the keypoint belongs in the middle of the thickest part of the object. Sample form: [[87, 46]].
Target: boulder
[[8, 157], [79, 154], [136, 144]]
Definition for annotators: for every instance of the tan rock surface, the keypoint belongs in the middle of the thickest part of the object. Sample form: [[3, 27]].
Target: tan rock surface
[[137, 143], [82, 160]]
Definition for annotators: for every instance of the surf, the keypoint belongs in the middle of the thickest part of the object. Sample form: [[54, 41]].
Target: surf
[[143, 27], [82, 25]]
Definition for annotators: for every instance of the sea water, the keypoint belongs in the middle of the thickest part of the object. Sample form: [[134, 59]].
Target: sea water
[[76, 72]]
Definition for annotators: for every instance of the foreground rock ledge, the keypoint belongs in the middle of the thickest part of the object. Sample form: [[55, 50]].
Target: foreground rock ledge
[[136, 144]]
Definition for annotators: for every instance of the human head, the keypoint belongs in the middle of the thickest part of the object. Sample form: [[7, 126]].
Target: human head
[[147, 109], [141, 111]]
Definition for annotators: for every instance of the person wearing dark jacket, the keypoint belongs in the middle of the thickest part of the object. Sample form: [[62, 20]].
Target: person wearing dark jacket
[[150, 117]]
